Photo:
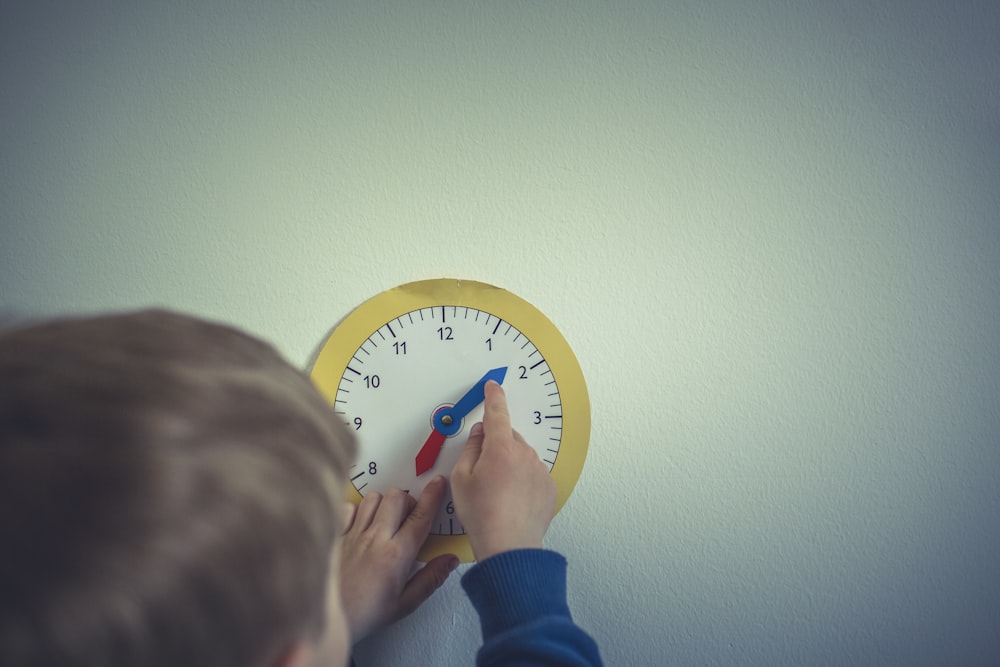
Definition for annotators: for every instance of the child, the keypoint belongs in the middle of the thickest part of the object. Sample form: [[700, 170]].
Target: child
[[171, 494]]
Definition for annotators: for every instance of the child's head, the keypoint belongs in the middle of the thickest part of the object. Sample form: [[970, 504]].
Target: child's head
[[170, 492]]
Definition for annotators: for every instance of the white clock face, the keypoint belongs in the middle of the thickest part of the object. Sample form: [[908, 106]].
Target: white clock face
[[426, 360]]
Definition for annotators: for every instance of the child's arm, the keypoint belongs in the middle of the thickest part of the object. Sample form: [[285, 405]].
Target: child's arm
[[506, 500], [521, 599]]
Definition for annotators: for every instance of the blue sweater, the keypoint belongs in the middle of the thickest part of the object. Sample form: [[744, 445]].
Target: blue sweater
[[521, 600]]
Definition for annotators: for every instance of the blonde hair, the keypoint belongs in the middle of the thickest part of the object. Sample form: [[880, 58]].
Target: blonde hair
[[169, 494]]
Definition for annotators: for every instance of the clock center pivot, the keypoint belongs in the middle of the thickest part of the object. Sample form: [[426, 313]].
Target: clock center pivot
[[444, 422]]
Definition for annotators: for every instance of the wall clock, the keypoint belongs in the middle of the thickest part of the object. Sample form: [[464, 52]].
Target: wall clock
[[406, 371]]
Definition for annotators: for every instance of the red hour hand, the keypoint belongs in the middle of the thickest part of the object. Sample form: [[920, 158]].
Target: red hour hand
[[429, 452]]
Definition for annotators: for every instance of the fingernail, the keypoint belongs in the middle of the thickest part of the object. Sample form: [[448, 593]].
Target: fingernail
[[453, 563], [477, 429], [438, 480]]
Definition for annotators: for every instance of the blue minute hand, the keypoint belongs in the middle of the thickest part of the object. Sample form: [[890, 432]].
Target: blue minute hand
[[448, 421], [476, 395]]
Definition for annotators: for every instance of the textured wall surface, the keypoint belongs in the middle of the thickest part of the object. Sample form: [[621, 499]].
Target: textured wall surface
[[771, 232]]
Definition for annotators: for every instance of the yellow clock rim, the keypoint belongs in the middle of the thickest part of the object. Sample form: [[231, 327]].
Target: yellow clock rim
[[386, 306]]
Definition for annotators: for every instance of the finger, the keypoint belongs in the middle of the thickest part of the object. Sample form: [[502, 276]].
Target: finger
[[366, 510], [347, 514], [417, 525], [411, 502], [392, 511], [428, 579], [496, 420], [472, 450]]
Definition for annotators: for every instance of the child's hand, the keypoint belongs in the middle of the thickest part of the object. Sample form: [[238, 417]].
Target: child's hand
[[380, 544], [503, 493]]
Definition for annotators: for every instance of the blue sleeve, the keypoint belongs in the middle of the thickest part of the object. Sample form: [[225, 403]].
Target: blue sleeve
[[521, 599]]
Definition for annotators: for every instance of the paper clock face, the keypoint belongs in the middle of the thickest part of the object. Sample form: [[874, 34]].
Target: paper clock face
[[403, 370]]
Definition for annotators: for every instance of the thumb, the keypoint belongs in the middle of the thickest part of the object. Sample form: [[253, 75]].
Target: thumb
[[473, 449], [422, 585]]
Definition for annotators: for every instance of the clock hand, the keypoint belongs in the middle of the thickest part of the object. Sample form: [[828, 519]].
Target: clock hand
[[475, 396], [429, 452], [447, 421]]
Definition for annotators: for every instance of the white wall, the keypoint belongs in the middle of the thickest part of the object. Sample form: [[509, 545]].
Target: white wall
[[770, 234]]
